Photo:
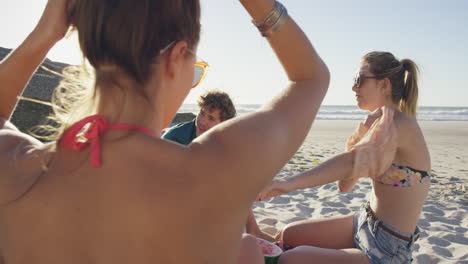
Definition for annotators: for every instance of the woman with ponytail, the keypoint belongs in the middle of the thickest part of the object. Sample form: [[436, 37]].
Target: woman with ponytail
[[390, 149]]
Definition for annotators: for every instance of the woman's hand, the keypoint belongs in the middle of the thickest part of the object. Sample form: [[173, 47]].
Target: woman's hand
[[54, 22], [372, 117], [275, 188]]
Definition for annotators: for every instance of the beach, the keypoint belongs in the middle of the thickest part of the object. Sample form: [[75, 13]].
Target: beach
[[444, 220]]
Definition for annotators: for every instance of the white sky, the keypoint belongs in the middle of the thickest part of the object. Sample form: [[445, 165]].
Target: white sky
[[433, 33]]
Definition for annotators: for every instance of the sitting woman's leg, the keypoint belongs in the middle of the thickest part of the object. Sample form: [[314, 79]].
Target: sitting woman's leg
[[250, 252], [251, 227], [333, 233]]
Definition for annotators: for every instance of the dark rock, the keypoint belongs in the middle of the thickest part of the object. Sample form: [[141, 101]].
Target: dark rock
[[28, 114], [41, 86], [183, 117]]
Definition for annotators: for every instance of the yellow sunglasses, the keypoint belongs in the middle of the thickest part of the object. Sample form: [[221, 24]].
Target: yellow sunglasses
[[200, 69]]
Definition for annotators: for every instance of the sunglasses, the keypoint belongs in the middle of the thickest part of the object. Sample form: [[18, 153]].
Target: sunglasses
[[200, 66], [358, 79]]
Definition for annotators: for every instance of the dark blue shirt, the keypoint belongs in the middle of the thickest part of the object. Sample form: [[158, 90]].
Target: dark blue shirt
[[182, 133]]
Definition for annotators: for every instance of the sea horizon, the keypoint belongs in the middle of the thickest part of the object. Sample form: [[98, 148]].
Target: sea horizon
[[352, 112]]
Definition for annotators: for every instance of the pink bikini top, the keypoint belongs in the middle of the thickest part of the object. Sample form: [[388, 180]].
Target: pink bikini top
[[88, 131]]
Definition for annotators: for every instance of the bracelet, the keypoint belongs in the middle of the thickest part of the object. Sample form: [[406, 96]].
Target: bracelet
[[274, 21]]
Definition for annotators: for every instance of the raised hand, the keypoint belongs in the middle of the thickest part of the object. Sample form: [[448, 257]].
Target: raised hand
[[54, 22], [372, 117]]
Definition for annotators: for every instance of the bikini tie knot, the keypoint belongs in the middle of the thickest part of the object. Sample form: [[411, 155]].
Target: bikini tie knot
[[88, 131], [84, 132]]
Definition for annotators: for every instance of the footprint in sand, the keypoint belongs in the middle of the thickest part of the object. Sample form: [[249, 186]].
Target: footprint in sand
[[344, 199], [423, 223], [280, 200], [326, 210], [425, 258], [356, 195], [260, 204], [344, 211], [333, 204], [461, 230], [439, 241], [435, 218], [269, 221], [442, 251], [432, 209], [460, 239], [296, 219], [331, 187], [310, 195], [305, 210]]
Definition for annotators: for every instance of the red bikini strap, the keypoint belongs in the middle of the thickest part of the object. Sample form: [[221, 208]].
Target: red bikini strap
[[88, 131]]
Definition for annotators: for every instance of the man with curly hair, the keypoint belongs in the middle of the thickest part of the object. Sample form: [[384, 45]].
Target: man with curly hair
[[215, 107]]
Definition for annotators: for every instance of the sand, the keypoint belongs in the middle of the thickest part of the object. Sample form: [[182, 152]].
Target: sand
[[444, 220]]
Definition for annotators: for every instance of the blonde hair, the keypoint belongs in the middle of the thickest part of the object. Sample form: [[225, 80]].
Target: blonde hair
[[123, 36], [403, 75], [71, 100]]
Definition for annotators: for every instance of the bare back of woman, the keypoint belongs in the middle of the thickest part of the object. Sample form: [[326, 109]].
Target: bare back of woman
[[105, 193]]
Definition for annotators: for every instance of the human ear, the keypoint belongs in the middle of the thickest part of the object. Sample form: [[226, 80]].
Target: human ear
[[386, 86], [176, 57]]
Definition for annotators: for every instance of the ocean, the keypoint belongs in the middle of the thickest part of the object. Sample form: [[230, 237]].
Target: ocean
[[348, 112]]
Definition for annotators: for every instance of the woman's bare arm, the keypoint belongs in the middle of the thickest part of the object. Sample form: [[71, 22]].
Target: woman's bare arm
[[250, 150], [334, 169], [19, 151], [18, 67]]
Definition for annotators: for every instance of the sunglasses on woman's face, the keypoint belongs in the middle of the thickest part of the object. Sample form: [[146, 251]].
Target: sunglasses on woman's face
[[358, 79], [200, 65], [199, 72]]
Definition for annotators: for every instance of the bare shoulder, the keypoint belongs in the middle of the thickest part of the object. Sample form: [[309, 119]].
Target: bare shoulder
[[12, 137], [13, 141], [412, 146], [406, 126], [156, 154], [21, 160]]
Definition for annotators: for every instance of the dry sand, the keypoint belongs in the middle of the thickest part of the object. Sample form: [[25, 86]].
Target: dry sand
[[444, 220]]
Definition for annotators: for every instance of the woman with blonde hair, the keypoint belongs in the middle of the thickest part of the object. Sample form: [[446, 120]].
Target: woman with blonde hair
[[108, 189], [389, 148]]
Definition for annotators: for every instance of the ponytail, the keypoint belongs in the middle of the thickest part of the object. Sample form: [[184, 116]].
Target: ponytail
[[403, 76], [409, 99]]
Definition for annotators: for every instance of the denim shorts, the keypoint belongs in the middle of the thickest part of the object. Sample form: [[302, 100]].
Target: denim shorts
[[378, 244]]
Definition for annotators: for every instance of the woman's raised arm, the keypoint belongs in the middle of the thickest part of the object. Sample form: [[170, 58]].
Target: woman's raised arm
[[251, 149], [18, 67]]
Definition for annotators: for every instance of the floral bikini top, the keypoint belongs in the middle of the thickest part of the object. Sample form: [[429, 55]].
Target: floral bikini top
[[403, 176], [88, 131], [375, 149]]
